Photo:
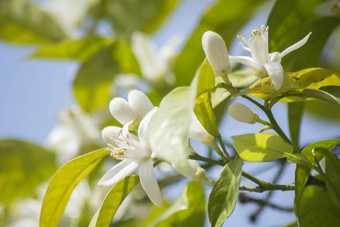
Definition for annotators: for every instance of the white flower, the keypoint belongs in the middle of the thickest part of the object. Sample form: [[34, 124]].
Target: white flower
[[75, 129], [137, 106], [134, 152], [197, 131], [217, 54], [155, 65], [263, 63], [242, 113]]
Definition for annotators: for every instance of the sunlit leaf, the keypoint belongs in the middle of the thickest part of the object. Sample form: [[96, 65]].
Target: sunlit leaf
[[80, 50], [222, 199], [93, 81], [225, 17], [261, 147], [128, 16], [242, 78], [21, 21], [113, 200], [63, 183], [187, 210], [290, 21], [23, 167], [317, 209], [204, 84], [168, 129]]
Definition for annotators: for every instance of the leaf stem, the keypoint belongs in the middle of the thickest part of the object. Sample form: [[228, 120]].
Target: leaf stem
[[214, 146]]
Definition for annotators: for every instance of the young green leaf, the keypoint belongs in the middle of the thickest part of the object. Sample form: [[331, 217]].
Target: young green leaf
[[79, 50], [317, 209], [22, 21], [223, 196], [261, 147], [23, 167], [320, 95], [113, 200], [187, 210], [295, 111], [62, 184], [168, 129]]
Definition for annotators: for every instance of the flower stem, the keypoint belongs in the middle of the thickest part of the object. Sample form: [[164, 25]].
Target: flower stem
[[214, 146]]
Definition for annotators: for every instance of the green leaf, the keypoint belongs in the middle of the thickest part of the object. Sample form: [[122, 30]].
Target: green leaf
[[222, 199], [93, 81], [312, 78], [320, 95], [290, 21], [295, 111], [23, 22], [128, 16], [23, 167], [187, 210], [80, 50], [261, 147], [242, 78], [203, 85], [113, 200], [302, 172], [317, 209], [168, 128], [333, 175], [64, 181], [225, 17]]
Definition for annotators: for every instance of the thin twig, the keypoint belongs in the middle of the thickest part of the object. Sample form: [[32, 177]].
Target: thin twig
[[243, 198]]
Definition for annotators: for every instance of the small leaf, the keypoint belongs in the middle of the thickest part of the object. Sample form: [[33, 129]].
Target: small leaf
[[23, 22], [113, 200], [62, 184], [242, 78], [23, 167], [187, 210], [317, 209], [222, 199], [261, 147], [80, 50], [321, 95]]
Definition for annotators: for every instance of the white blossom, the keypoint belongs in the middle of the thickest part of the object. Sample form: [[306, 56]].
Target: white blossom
[[242, 113], [263, 63], [197, 131], [133, 152], [216, 52]]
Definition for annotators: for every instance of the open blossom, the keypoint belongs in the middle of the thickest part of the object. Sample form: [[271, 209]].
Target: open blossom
[[263, 63], [133, 152]]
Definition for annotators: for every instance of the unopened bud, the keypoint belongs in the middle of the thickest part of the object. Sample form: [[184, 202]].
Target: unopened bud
[[122, 111], [110, 134], [242, 113], [216, 52], [140, 103]]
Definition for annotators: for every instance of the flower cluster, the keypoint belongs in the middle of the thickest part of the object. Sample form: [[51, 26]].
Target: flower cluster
[[134, 151]]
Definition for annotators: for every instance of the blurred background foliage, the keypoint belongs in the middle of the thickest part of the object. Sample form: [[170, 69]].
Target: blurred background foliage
[[106, 39]]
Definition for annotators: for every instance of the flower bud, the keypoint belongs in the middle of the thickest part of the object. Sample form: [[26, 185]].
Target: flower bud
[[191, 170], [122, 111], [216, 52], [140, 103], [109, 134], [197, 131], [242, 113]]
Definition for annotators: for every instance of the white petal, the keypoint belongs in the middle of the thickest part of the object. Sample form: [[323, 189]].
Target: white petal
[[295, 46], [122, 111], [110, 134], [140, 103], [149, 183], [189, 170], [143, 126], [216, 52], [118, 172], [245, 60], [276, 73], [197, 131]]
